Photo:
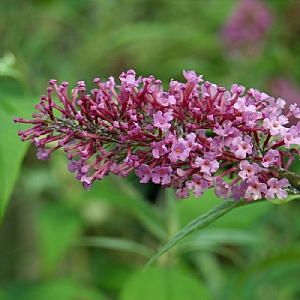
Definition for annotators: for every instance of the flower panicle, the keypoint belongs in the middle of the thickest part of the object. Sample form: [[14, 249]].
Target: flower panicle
[[246, 29], [190, 137]]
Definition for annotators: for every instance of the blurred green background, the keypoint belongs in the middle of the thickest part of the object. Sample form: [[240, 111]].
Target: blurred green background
[[57, 240]]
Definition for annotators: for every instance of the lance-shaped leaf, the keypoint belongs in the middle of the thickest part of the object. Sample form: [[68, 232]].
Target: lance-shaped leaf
[[198, 223]]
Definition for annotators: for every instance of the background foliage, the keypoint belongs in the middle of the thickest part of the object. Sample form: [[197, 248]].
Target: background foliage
[[59, 241]]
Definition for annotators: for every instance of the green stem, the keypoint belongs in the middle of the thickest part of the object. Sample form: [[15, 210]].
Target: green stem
[[198, 223]]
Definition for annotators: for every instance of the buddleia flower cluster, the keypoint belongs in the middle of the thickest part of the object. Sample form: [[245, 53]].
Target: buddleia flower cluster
[[192, 137], [245, 31]]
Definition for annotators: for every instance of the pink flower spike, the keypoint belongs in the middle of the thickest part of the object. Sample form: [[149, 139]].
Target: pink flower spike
[[178, 137], [244, 32]]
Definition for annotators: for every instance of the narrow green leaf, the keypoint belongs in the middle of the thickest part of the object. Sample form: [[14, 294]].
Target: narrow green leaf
[[288, 199], [214, 238], [120, 244], [200, 222], [12, 150]]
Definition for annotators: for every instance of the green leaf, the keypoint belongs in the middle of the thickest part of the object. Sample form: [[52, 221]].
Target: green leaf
[[194, 207], [288, 199], [220, 241], [164, 284], [200, 222], [214, 238], [120, 244], [12, 150]]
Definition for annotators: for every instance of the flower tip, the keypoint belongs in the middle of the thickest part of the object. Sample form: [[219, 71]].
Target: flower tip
[[52, 81], [65, 84], [81, 83]]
